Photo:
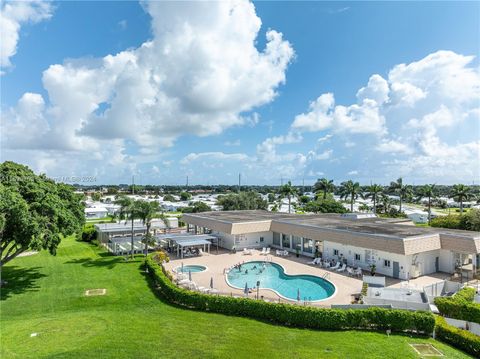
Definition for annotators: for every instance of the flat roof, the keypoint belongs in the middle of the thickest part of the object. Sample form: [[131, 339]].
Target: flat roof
[[396, 227], [398, 235]]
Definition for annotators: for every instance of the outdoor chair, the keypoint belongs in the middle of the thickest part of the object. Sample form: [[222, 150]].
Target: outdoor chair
[[335, 267], [342, 268], [267, 252], [264, 251]]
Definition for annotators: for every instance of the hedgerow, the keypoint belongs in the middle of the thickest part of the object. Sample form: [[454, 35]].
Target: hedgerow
[[459, 338], [460, 306], [293, 315]]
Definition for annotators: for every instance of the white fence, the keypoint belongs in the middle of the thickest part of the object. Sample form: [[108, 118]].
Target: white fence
[[462, 324], [374, 281]]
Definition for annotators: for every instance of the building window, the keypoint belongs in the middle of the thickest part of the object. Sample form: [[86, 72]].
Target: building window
[[239, 238], [358, 257], [307, 245], [276, 239], [386, 263], [296, 242], [262, 239], [285, 241], [335, 252]]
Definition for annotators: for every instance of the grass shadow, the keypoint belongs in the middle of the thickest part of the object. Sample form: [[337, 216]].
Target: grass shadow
[[106, 260], [19, 280]]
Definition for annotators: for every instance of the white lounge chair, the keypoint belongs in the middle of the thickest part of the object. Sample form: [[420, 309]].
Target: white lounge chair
[[342, 268], [314, 262], [247, 252], [358, 272], [336, 266], [350, 271], [278, 253], [285, 253], [264, 251], [267, 252], [326, 264], [202, 253]]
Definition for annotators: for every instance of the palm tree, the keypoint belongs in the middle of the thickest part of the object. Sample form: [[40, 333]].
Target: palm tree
[[324, 185], [404, 191], [461, 193], [386, 202], [128, 211], [373, 192], [429, 191], [350, 189], [146, 212], [287, 190]]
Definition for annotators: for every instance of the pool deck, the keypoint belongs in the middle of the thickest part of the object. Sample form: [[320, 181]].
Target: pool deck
[[216, 263], [346, 286]]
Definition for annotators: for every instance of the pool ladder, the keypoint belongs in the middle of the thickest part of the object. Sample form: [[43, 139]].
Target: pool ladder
[[326, 275]]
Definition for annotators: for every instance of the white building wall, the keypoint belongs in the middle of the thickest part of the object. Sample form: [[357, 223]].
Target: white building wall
[[377, 257], [447, 261], [248, 240]]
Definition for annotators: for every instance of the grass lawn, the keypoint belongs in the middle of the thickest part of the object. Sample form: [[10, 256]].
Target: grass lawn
[[45, 295]]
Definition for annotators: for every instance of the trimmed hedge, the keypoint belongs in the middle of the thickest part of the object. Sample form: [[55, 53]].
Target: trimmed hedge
[[89, 233], [460, 306], [461, 339], [293, 315]]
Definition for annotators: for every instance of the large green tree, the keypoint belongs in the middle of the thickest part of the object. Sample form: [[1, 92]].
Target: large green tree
[[242, 201], [287, 190], [325, 186], [35, 212], [350, 190], [461, 193], [325, 206]]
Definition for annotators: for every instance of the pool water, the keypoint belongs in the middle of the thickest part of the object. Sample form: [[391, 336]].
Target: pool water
[[311, 288], [194, 268]]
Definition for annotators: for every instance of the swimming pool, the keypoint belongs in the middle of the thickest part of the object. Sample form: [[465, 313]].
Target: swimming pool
[[273, 276], [194, 268]]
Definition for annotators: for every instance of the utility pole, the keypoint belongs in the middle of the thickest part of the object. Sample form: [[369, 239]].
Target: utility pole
[[133, 184], [281, 181], [187, 181], [239, 181]]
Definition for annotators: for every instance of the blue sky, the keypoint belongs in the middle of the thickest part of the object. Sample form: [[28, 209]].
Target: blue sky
[[212, 110]]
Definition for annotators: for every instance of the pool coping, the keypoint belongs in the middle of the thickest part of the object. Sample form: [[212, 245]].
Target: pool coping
[[198, 265], [285, 272]]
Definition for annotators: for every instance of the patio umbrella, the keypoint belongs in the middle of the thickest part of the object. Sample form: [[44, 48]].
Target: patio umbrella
[[298, 294], [246, 289], [211, 282], [190, 275]]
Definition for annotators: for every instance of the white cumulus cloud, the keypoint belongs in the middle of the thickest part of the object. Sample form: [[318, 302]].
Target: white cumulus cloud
[[13, 15]]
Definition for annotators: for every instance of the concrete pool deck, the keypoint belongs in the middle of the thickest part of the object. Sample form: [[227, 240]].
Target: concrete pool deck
[[216, 263], [346, 286]]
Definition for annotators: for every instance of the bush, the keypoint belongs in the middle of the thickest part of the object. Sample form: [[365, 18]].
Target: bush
[[469, 221], [460, 306], [293, 315], [161, 256], [89, 233], [461, 339]]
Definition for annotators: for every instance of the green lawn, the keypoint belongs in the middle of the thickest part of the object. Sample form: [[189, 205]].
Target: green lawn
[[45, 295]]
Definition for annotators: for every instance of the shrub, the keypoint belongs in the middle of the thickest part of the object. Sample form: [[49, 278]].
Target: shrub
[[293, 315], [161, 256], [460, 306], [89, 233], [461, 339]]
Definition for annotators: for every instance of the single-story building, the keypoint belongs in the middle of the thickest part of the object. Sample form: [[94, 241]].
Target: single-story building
[[96, 212], [395, 246]]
